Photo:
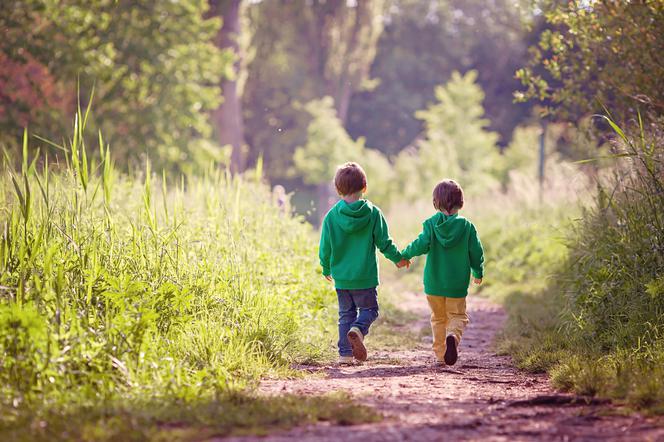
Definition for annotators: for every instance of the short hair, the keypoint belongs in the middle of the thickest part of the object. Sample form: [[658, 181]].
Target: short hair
[[349, 179], [447, 196]]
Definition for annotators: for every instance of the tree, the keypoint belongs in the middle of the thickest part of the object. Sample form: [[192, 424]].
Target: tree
[[422, 44], [154, 68], [325, 50], [328, 145], [598, 53], [228, 117], [456, 144]]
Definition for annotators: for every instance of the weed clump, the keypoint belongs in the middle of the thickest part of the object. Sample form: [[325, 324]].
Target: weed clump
[[118, 287], [607, 336]]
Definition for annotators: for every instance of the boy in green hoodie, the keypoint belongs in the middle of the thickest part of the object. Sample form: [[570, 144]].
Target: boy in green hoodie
[[454, 251], [350, 234]]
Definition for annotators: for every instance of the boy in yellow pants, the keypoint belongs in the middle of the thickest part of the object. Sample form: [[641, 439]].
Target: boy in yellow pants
[[454, 251]]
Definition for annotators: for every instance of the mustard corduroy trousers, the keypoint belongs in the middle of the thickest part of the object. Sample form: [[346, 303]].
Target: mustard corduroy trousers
[[448, 317]]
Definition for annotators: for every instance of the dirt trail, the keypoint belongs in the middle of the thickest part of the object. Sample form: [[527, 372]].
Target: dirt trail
[[482, 397]]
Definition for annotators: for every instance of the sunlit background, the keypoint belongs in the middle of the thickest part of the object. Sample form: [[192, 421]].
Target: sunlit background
[[166, 165]]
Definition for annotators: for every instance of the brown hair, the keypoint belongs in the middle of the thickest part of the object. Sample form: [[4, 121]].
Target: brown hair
[[349, 179], [447, 196]]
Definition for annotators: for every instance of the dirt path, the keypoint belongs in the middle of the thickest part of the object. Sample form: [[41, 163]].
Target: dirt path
[[481, 398]]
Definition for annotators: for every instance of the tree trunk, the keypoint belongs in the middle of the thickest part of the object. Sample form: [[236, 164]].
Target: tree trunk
[[228, 117]]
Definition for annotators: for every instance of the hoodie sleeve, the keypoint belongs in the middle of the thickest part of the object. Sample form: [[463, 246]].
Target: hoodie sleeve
[[476, 253], [381, 236], [419, 246], [324, 249]]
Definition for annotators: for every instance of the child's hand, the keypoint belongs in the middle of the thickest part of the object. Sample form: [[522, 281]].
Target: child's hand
[[477, 281], [328, 277], [403, 263]]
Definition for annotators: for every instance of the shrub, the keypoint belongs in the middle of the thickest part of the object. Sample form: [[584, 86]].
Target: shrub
[[609, 311], [613, 276], [112, 285]]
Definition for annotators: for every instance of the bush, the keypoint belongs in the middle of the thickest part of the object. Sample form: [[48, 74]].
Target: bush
[[113, 286], [608, 331], [616, 263]]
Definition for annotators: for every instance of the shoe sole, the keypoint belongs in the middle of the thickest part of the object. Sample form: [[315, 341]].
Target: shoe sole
[[359, 350], [451, 351]]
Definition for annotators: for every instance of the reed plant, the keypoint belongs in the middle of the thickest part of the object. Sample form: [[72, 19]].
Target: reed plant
[[117, 287], [601, 317]]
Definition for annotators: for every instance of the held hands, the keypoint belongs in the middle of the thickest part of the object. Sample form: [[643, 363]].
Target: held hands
[[477, 281], [328, 277], [403, 263]]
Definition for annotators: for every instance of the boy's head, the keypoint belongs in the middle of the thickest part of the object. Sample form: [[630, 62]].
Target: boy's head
[[350, 179], [448, 196]]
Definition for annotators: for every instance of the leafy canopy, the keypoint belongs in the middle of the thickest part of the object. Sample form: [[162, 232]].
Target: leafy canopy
[[155, 69], [597, 53]]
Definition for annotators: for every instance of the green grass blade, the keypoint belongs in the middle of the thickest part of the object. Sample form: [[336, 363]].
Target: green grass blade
[[24, 166], [615, 127], [51, 143], [89, 106]]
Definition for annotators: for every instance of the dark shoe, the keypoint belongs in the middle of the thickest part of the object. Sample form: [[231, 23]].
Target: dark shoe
[[356, 339], [451, 351]]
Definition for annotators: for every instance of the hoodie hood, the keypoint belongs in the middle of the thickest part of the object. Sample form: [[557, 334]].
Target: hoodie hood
[[354, 216], [449, 229]]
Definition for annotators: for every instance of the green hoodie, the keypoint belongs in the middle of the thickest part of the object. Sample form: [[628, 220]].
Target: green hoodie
[[348, 240], [453, 249]]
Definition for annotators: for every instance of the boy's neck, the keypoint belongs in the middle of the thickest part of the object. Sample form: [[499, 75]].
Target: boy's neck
[[352, 198], [453, 212]]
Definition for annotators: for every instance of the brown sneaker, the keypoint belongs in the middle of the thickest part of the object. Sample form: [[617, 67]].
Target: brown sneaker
[[356, 340], [451, 354]]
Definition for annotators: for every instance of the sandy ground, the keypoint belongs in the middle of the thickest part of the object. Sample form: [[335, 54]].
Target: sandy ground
[[482, 397]]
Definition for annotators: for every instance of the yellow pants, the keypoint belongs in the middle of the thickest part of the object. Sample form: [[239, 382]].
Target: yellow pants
[[448, 317]]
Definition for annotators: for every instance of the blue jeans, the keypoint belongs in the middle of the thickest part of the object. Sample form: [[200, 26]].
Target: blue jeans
[[350, 302]]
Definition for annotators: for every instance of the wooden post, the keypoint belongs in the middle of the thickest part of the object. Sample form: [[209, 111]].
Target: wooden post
[[542, 158]]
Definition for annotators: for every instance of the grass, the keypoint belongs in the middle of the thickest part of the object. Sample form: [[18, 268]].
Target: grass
[[238, 414], [597, 326], [163, 298]]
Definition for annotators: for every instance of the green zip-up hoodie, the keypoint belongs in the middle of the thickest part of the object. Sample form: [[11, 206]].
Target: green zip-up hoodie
[[453, 249], [348, 240]]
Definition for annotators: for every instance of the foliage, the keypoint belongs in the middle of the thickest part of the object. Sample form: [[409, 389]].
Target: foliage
[[521, 155], [422, 44], [597, 53], [456, 142], [153, 64], [605, 327], [618, 256], [329, 145], [325, 50], [564, 144], [119, 288], [526, 253]]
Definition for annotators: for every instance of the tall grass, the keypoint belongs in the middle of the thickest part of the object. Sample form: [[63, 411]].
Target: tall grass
[[605, 328], [114, 286]]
